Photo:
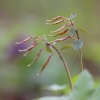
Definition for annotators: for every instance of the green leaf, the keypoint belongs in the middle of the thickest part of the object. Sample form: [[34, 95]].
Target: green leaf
[[72, 16], [56, 87], [84, 81], [74, 79], [83, 30], [66, 47], [96, 94], [49, 49], [82, 87], [77, 44], [54, 98], [72, 31]]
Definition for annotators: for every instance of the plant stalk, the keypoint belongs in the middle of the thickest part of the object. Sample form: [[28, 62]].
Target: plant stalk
[[81, 62], [80, 54], [66, 67]]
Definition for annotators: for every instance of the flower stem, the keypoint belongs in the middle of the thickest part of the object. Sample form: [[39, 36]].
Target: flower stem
[[65, 64], [80, 53], [80, 57]]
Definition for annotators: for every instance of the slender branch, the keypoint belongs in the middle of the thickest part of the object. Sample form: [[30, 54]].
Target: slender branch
[[73, 37], [77, 34], [75, 30], [65, 64], [80, 54], [81, 63]]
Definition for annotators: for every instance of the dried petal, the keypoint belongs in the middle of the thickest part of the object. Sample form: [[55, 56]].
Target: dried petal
[[25, 40], [45, 64]]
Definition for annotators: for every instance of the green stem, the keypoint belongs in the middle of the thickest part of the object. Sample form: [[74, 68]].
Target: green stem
[[80, 53], [81, 63], [65, 64]]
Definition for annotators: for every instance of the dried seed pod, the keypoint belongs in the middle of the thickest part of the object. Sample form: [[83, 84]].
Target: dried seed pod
[[60, 33], [56, 18], [62, 39], [26, 53], [45, 64], [29, 48], [37, 56], [34, 42], [57, 22], [25, 40], [61, 28]]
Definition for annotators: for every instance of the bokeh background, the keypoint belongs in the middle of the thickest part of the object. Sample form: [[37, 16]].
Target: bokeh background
[[22, 18]]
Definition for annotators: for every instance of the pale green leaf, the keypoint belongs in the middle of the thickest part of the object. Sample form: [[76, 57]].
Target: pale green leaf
[[56, 87], [54, 98], [83, 30], [77, 44], [96, 94], [72, 16], [82, 87], [72, 31], [66, 47], [49, 49], [74, 79]]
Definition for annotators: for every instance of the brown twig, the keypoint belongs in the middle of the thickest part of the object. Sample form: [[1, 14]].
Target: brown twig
[[65, 64]]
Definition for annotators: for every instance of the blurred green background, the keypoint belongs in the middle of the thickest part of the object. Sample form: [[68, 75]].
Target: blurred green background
[[22, 18]]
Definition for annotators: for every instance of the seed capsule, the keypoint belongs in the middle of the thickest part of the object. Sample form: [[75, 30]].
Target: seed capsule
[[45, 64], [56, 18], [25, 40], [60, 33], [37, 56]]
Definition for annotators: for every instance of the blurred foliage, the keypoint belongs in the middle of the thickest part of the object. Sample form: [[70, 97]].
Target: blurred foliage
[[83, 89], [22, 18]]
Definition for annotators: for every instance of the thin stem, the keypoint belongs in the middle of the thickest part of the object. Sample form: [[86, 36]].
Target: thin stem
[[80, 54], [81, 63], [77, 34], [65, 64], [73, 37], [57, 40]]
